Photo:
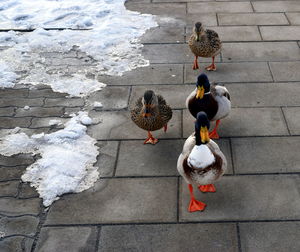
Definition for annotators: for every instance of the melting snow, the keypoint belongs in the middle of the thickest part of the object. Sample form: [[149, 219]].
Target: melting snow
[[112, 39], [67, 158]]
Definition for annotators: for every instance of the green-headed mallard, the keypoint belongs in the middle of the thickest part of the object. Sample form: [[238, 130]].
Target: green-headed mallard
[[201, 162], [151, 113], [205, 43], [214, 100]]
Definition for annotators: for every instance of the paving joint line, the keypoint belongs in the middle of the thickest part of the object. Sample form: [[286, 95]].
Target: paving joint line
[[172, 223], [117, 159], [98, 234], [285, 120], [238, 237]]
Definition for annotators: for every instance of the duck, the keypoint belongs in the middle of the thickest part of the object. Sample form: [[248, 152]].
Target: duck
[[151, 112], [214, 100], [201, 162], [204, 43]]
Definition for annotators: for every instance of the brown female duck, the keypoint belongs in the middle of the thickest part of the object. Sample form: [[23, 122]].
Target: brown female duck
[[204, 43], [201, 162], [151, 113], [214, 100]]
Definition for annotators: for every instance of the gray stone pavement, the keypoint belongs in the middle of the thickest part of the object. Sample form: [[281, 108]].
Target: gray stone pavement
[[140, 202]]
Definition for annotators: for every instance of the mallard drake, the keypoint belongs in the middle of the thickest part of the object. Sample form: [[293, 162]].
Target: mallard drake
[[201, 162], [204, 43], [151, 113], [214, 100]]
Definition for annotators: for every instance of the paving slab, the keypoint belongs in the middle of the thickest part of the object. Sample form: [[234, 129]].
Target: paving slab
[[175, 95], [9, 188], [169, 238], [12, 92], [9, 173], [10, 122], [43, 122], [170, 53], [248, 197], [207, 19], [154, 74], [228, 7], [54, 239], [106, 160], [261, 155], [264, 94], [232, 72], [294, 18], [14, 207], [9, 111], [158, 160], [14, 160], [241, 122], [233, 33], [292, 116], [276, 6], [118, 125], [164, 34], [162, 9], [57, 102], [24, 225], [261, 51], [285, 71], [17, 243], [270, 236], [45, 92], [119, 201], [252, 19], [280, 32], [17, 102], [39, 112], [27, 191], [111, 97]]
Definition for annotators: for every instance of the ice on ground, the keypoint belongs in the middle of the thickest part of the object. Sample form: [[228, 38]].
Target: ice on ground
[[7, 76], [201, 156], [67, 158], [112, 38], [55, 122], [97, 104]]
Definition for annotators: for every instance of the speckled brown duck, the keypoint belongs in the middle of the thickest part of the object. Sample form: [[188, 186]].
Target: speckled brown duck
[[204, 43], [214, 100], [151, 113], [201, 162]]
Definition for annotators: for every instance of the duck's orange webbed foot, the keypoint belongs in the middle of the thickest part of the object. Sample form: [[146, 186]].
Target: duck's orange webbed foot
[[212, 67], [195, 205], [207, 188], [150, 139], [214, 134], [195, 66], [165, 128]]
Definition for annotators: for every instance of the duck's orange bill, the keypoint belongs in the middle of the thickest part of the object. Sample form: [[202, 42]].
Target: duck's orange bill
[[200, 92], [204, 135]]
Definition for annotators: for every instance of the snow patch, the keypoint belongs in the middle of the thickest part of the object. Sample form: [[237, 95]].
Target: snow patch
[[201, 156], [7, 76], [112, 39], [55, 122], [97, 104], [67, 158]]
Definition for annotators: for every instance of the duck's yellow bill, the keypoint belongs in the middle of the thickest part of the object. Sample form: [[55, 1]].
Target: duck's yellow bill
[[200, 92], [204, 135]]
